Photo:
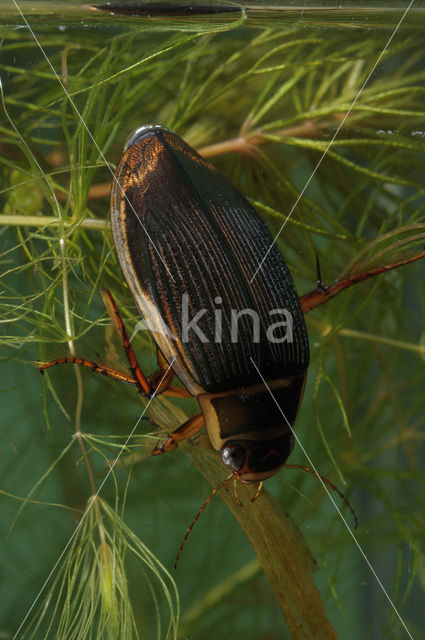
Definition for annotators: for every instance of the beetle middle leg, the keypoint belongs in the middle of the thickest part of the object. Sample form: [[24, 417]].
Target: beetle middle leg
[[161, 380], [186, 430]]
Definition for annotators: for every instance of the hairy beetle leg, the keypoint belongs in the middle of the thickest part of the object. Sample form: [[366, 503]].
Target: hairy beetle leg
[[165, 388], [157, 383], [163, 382], [322, 293], [186, 430], [96, 368], [160, 383], [143, 384], [329, 483]]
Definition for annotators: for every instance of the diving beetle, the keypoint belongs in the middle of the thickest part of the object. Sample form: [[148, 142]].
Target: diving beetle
[[189, 245]]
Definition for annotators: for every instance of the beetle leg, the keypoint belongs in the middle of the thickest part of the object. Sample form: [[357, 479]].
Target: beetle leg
[[168, 389], [177, 392], [320, 284], [162, 363], [164, 381], [329, 483], [96, 368], [161, 379], [157, 383], [257, 493], [138, 378], [235, 490], [322, 294], [109, 302], [186, 430]]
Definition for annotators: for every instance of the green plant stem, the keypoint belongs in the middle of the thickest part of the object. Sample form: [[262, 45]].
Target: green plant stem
[[325, 329], [80, 390], [399, 344], [279, 546], [219, 592], [51, 221]]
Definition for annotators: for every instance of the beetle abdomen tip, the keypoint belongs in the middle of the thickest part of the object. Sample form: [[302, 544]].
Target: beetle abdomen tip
[[142, 131]]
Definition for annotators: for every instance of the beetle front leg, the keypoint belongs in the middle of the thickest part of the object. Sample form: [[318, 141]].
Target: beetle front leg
[[186, 430]]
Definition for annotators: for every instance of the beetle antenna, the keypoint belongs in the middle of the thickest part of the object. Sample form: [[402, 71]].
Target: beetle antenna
[[330, 484], [213, 492]]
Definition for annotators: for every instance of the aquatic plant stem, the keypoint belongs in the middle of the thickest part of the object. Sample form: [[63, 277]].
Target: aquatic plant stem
[[51, 221], [280, 548], [243, 143], [80, 389]]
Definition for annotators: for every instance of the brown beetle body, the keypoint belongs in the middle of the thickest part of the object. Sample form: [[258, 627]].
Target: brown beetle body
[[189, 245]]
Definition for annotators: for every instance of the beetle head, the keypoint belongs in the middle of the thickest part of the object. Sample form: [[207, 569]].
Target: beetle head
[[256, 460]]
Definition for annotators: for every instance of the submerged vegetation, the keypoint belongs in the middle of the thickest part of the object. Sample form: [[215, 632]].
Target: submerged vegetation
[[263, 104]]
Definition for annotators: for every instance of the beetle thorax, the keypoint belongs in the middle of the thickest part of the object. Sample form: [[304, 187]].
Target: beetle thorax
[[256, 414]]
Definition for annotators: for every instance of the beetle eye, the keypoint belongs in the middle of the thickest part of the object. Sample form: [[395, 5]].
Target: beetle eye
[[233, 456]]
